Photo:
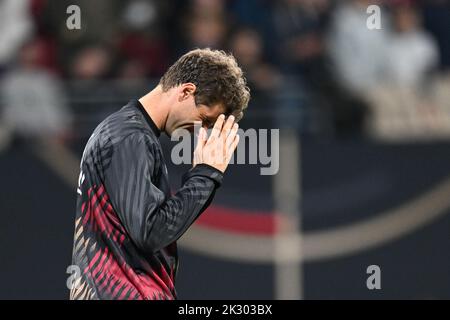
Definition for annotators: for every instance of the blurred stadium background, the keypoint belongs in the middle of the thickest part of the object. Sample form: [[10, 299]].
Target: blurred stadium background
[[364, 119]]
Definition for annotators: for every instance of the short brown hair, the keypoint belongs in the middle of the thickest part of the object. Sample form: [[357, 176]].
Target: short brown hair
[[217, 76]]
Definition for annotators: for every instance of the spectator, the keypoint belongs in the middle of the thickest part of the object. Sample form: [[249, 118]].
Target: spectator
[[204, 25], [142, 38], [401, 105], [256, 14], [247, 47], [15, 28], [90, 92], [34, 100], [99, 24], [263, 78], [131, 81], [299, 26], [357, 53], [411, 53]]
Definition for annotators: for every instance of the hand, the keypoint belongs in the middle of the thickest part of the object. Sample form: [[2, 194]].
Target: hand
[[218, 149]]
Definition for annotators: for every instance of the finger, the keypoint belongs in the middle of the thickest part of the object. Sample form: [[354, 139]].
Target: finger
[[217, 127], [232, 147], [201, 139], [232, 134], [227, 126], [198, 152]]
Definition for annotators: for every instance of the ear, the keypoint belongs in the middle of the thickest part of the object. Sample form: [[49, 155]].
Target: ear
[[186, 91]]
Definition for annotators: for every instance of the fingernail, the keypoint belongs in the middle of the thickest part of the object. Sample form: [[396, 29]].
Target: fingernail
[[231, 118]]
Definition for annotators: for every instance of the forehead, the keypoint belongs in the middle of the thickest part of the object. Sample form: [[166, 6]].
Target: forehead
[[214, 110]]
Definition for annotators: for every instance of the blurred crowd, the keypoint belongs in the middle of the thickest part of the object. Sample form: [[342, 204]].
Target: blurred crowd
[[311, 64]]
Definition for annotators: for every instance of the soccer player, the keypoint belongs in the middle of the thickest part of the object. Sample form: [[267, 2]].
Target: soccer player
[[127, 222]]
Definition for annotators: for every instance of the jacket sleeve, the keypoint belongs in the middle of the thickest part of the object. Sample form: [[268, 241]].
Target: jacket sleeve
[[151, 219]]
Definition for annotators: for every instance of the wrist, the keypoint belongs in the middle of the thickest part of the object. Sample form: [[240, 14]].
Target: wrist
[[205, 170]]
